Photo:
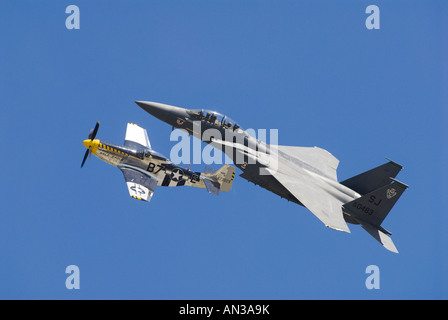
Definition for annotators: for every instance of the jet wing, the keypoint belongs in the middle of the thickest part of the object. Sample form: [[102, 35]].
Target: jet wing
[[141, 186], [312, 194], [317, 159]]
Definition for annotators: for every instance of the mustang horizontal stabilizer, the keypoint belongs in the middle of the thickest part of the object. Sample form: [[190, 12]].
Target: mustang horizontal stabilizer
[[141, 186], [212, 186], [313, 196], [221, 180], [373, 179], [136, 137]]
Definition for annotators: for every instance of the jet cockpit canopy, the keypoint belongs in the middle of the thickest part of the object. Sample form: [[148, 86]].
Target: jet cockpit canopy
[[215, 118]]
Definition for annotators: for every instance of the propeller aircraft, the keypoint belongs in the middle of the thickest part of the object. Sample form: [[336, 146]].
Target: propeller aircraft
[[144, 169]]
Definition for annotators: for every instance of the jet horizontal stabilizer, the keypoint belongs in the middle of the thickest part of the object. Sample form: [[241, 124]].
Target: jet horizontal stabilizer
[[379, 234]]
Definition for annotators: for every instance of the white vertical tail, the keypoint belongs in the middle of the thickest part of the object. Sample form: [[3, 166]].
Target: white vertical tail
[[136, 137]]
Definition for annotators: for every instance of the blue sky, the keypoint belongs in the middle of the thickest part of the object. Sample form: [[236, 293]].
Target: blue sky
[[310, 69]]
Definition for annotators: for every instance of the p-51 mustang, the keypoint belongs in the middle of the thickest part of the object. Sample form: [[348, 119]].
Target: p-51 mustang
[[306, 176], [144, 169]]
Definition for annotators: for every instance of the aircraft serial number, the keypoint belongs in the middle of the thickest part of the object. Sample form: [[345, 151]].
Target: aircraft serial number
[[156, 168], [363, 208]]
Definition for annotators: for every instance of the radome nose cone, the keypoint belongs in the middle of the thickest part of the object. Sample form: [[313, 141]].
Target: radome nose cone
[[154, 108], [164, 112], [143, 104]]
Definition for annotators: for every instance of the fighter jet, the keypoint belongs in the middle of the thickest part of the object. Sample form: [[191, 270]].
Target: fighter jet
[[304, 175], [144, 169]]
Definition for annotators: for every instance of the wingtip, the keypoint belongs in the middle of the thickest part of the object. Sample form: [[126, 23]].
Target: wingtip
[[391, 247], [339, 229]]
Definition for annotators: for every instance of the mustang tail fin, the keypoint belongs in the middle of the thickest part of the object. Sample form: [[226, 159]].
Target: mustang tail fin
[[371, 209], [136, 137], [373, 179], [220, 180]]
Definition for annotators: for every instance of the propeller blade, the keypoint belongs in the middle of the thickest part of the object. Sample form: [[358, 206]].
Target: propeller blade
[[93, 132], [92, 135], [85, 157]]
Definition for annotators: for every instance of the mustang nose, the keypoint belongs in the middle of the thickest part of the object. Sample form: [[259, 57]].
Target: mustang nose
[[88, 143], [164, 112]]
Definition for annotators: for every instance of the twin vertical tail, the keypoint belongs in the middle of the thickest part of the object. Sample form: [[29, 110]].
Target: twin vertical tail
[[372, 208]]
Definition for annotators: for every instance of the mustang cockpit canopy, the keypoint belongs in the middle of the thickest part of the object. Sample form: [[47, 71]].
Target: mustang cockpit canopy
[[215, 118], [155, 154]]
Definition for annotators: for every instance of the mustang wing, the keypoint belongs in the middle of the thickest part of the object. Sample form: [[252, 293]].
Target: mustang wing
[[312, 194], [141, 186]]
